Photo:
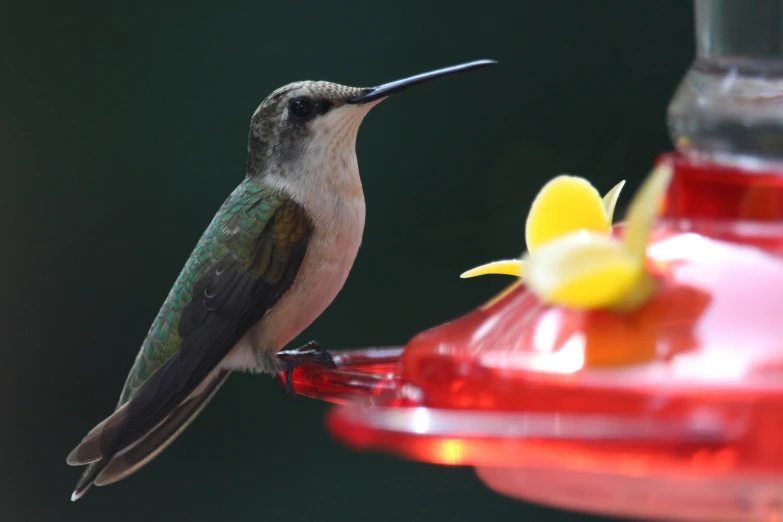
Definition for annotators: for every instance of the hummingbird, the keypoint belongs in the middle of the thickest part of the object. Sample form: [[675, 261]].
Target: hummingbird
[[272, 259]]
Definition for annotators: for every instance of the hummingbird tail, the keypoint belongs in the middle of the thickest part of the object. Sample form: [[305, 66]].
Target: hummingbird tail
[[87, 478], [106, 467], [150, 445]]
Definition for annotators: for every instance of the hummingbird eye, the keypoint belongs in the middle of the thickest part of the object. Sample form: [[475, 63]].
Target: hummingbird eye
[[301, 108]]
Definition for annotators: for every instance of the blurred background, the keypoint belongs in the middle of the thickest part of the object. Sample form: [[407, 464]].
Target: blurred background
[[123, 127]]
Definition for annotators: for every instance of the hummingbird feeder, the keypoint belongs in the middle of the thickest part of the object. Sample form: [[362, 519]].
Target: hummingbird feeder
[[632, 370]]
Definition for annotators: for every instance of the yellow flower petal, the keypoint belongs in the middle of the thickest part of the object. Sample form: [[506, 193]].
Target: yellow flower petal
[[643, 210], [610, 200], [583, 270], [565, 204], [511, 267]]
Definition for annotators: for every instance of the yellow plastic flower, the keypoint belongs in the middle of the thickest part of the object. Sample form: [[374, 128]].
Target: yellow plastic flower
[[572, 259], [565, 204]]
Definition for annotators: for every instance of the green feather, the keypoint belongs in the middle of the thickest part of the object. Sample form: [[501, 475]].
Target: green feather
[[247, 210]]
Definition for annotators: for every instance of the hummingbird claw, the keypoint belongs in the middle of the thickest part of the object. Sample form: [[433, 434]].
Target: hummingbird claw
[[309, 353]]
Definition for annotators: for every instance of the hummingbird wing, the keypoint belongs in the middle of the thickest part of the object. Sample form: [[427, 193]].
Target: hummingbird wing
[[258, 229], [246, 260]]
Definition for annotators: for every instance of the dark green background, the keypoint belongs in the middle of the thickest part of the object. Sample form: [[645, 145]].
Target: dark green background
[[123, 127]]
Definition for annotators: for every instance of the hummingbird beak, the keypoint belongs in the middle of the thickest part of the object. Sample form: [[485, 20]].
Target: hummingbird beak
[[382, 91]]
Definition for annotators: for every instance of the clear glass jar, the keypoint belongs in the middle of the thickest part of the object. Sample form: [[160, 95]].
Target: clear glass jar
[[729, 106]]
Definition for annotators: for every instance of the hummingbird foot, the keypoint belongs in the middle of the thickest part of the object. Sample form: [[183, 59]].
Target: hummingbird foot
[[308, 353]]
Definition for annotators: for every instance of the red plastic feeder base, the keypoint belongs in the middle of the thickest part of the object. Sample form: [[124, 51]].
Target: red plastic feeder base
[[672, 412]]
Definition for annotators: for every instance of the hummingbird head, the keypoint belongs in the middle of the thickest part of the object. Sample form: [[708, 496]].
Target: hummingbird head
[[311, 126]]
